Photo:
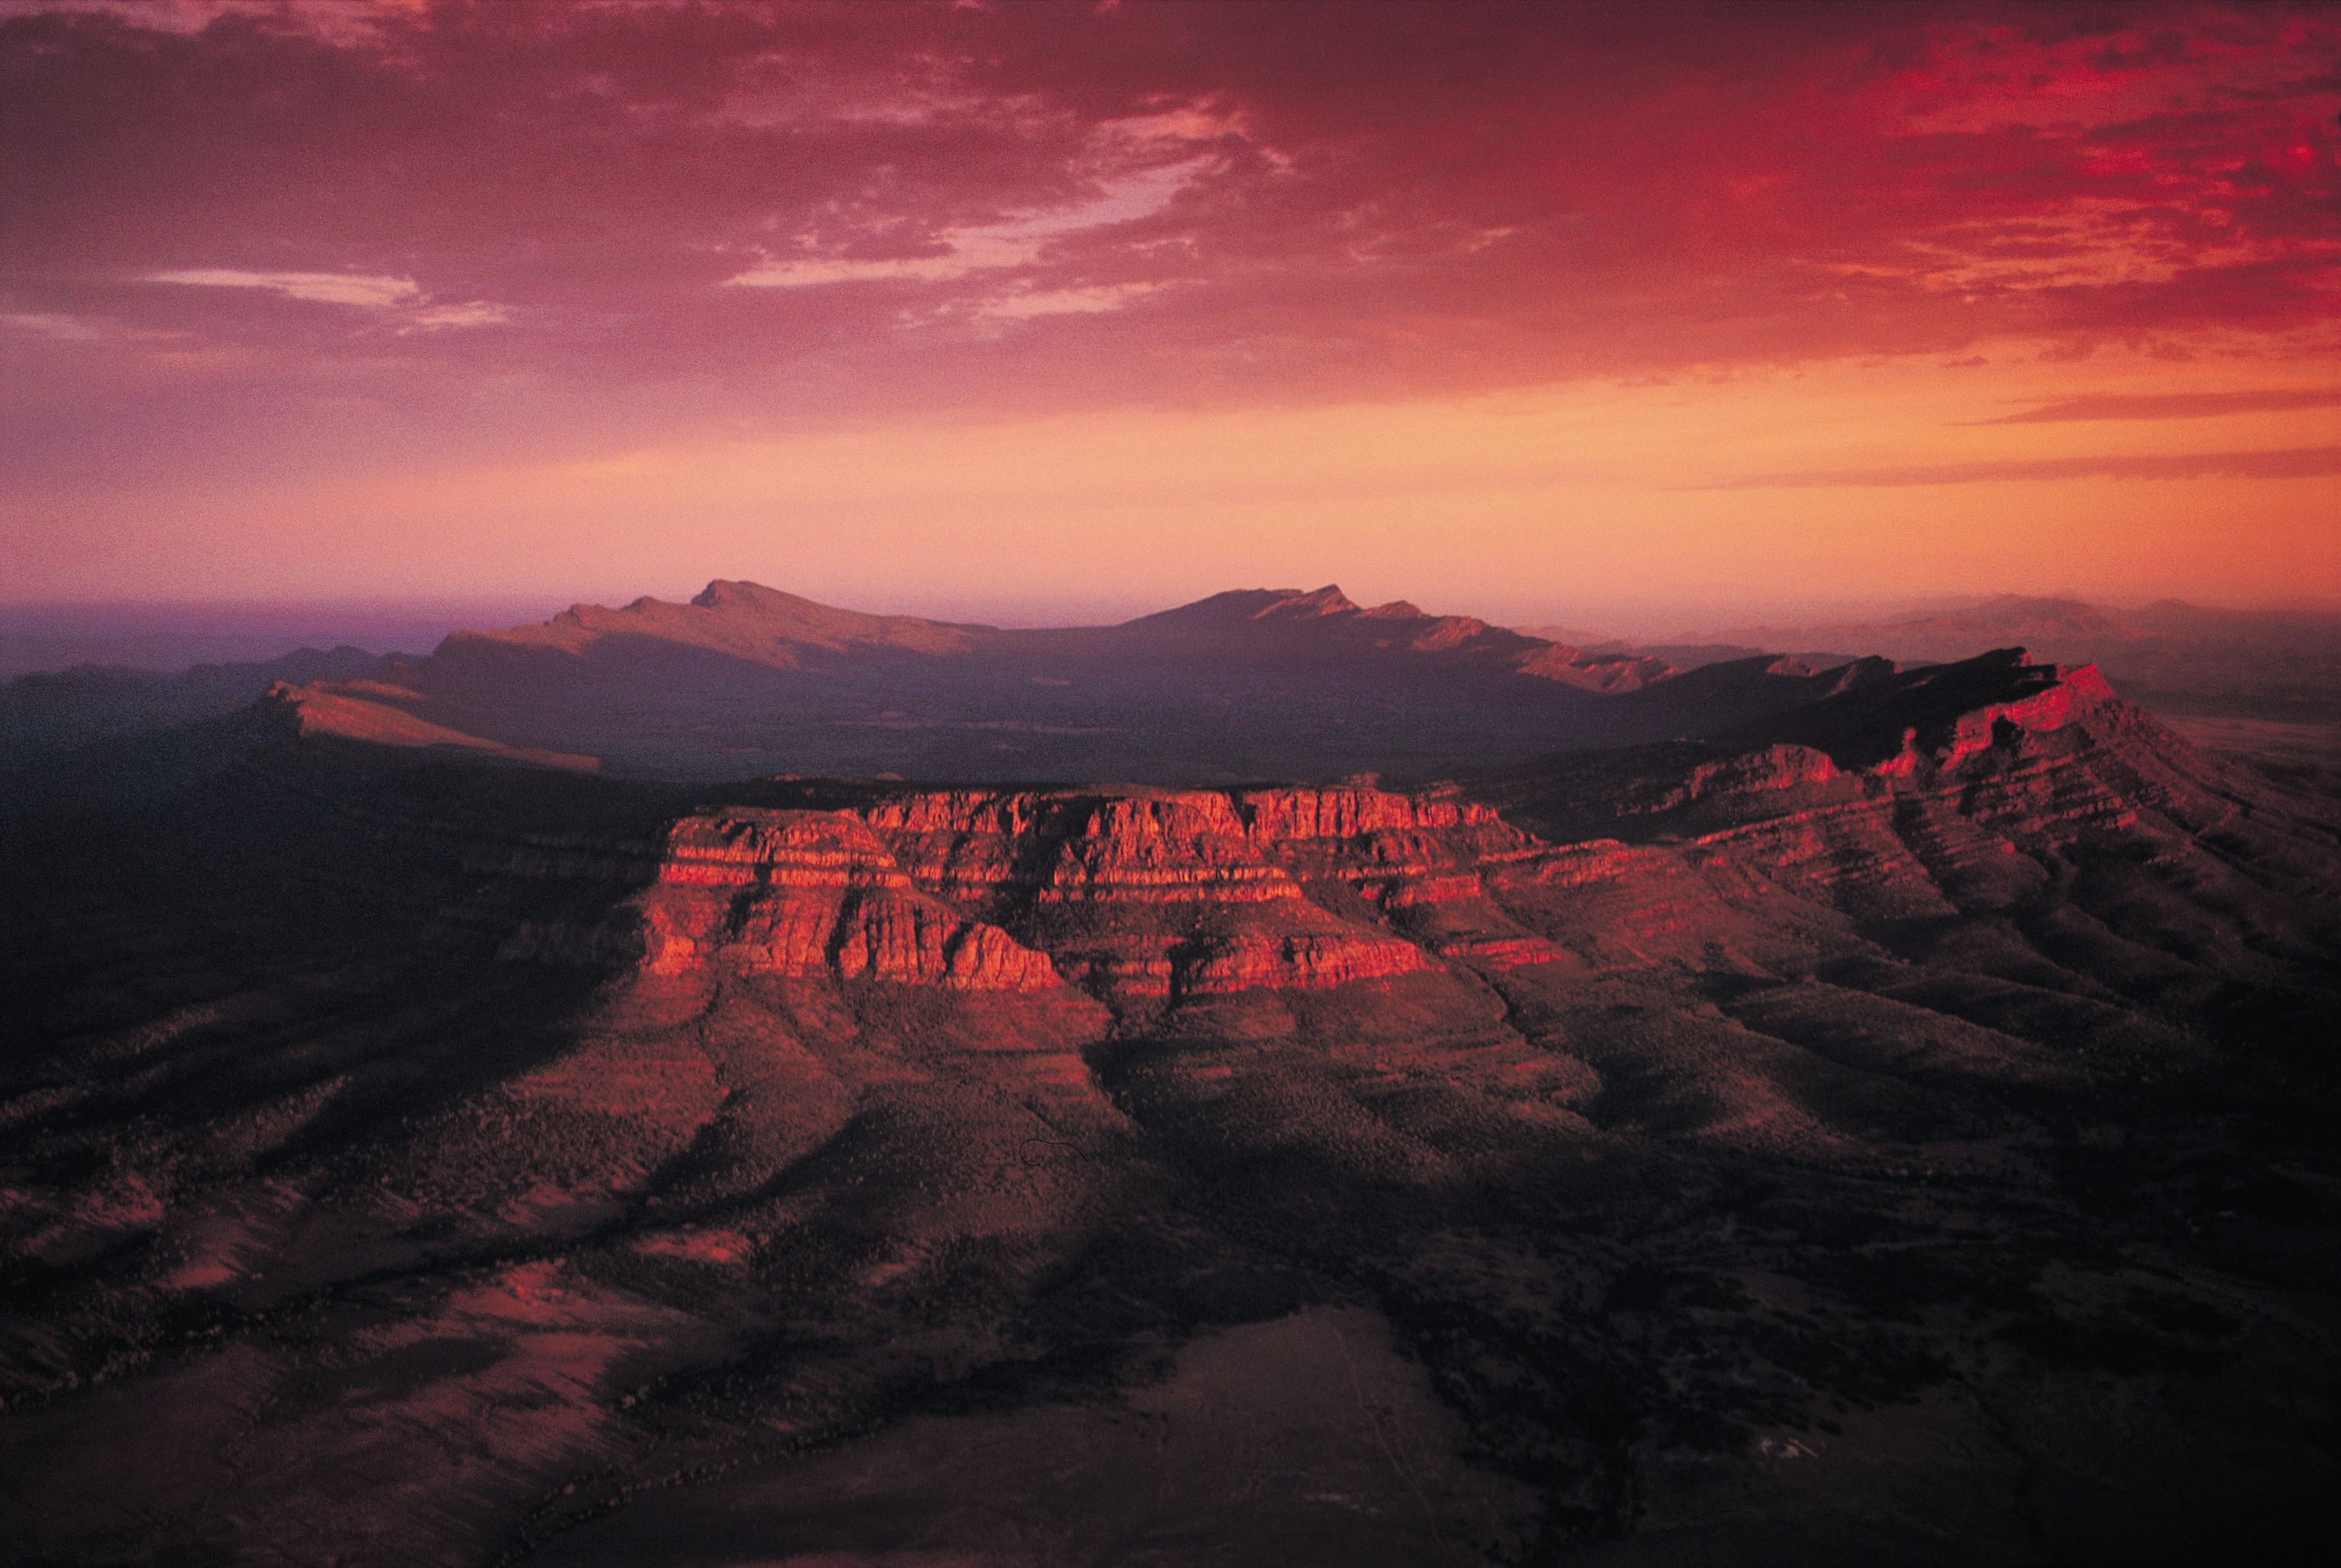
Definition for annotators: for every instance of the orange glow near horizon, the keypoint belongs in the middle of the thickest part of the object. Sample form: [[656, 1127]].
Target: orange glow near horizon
[[1051, 313]]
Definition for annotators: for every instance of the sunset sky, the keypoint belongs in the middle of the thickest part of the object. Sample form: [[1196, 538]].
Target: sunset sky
[[1029, 313]]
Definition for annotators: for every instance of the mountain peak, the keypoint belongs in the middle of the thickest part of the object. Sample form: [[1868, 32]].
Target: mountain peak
[[724, 595], [1256, 604], [1328, 600], [745, 620]]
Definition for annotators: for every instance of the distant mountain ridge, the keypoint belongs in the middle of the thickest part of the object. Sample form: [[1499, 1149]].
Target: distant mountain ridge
[[1249, 686], [1253, 684], [2171, 654], [745, 619], [771, 626], [91, 701]]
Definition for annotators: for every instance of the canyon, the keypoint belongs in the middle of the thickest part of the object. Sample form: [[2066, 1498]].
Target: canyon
[[1860, 1114]]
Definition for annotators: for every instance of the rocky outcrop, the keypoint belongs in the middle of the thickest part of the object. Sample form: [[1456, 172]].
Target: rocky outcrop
[[1908, 794], [1774, 767], [745, 847], [1134, 895], [1145, 897], [2054, 699], [1849, 856], [1290, 959], [814, 894], [1184, 847], [1976, 802]]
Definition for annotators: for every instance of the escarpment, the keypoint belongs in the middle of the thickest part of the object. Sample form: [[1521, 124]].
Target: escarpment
[[812, 894], [1136, 894], [1147, 897], [1132, 894], [1910, 795]]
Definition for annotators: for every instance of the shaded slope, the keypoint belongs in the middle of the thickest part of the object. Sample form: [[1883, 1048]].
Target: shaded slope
[[43, 711]]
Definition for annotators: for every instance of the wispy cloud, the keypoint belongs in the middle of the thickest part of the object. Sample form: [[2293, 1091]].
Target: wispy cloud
[[2172, 405], [971, 249], [365, 291], [1017, 242], [371, 291], [478, 312], [1064, 301], [43, 324], [2293, 463]]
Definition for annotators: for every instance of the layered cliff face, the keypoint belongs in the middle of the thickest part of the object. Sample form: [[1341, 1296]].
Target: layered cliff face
[[1906, 795], [1145, 898], [815, 894], [1970, 806], [1909, 795], [1135, 896], [1148, 897]]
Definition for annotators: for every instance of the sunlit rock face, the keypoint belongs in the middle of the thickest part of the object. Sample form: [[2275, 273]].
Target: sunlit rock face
[[815, 894], [1141, 895], [1163, 894]]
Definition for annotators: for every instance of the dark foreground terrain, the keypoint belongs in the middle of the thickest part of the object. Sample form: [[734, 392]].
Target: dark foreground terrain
[[1895, 1125]]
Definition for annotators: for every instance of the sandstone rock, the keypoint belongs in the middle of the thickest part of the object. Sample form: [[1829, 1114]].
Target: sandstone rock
[[1138, 894], [1149, 896]]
